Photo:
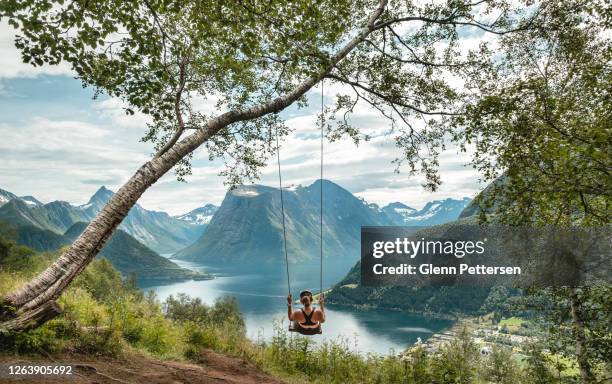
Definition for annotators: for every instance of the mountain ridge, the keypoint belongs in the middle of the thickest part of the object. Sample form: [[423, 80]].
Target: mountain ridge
[[160, 231], [247, 227]]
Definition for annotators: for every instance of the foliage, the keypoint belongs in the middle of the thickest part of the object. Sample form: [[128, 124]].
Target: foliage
[[500, 368], [186, 308], [542, 118], [552, 309], [455, 362]]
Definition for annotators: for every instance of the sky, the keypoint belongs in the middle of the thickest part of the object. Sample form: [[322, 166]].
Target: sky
[[58, 143]]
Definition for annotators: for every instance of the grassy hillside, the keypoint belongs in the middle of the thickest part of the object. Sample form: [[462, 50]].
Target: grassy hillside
[[130, 256]]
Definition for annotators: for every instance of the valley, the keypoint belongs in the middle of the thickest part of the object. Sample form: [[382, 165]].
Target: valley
[[240, 236]]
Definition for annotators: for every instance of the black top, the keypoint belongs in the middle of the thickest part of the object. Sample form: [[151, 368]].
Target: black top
[[308, 318]]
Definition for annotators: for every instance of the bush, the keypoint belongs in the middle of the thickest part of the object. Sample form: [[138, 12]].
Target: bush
[[500, 367], [184, 308], [37, 341]]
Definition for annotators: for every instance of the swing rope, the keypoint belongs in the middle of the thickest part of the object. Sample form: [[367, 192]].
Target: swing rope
[[280, 187], [321, 197]]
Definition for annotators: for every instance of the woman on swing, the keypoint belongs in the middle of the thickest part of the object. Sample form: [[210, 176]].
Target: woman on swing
[[308, 319]]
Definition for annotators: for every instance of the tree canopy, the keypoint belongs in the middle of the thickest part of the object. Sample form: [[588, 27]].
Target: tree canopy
[[173, 60]]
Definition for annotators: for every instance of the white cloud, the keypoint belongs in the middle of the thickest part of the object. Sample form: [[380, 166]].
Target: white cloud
[[65, 160], [11, 64], [113, 110]]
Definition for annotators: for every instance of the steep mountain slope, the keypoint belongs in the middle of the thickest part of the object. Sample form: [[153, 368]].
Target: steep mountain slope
[[486, 199], [160, 231], [56, 216], [40, 239], [247, 227], [430, 299], [433, 213], [18, 213], [6, 196], [128, 255]]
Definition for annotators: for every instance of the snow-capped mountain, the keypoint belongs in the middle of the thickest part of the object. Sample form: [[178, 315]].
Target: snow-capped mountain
[[158, 230], [398, 211], [433, 213], [6, 196], [30, 200], [199, 216]]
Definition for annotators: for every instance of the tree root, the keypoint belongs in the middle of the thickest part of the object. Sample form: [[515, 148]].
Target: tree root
[[31, 319]]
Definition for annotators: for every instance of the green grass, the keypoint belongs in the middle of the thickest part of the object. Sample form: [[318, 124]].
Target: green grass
[[512, 322]]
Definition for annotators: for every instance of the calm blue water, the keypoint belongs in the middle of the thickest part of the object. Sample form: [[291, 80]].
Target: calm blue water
[[262, 298]]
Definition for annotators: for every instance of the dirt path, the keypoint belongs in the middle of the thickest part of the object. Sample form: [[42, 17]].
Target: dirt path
[[215, 368]]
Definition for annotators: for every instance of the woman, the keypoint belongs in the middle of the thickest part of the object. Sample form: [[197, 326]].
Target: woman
[[308, 319]]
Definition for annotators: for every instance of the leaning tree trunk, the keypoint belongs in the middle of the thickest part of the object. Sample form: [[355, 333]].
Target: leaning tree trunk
[[34, 303], [586, 373]]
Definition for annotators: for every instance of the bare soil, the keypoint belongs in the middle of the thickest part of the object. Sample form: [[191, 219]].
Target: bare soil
[[213, 368]]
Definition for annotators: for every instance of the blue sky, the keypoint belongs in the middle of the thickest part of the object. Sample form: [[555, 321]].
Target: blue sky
[[57, 143]]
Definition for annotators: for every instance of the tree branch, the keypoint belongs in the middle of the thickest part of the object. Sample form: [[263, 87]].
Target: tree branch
[[387, 98], [177, 109]]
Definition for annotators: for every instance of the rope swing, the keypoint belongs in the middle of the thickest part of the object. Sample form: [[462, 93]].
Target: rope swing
[[280, 187]]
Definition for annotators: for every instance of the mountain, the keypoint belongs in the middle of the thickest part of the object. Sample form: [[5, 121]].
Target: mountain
[[6, 196], [31, 200], [247, 227], [445, 300], [160, 231], [433, 213], [40, 240], [487, 201], [128, 255], [398, 212], [199, 216], [56, 216]]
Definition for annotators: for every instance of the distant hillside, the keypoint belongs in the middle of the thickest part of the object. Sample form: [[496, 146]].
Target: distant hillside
[[40, 240], [56, 216], [160, 231], [128, 255], [486, 200], [247, 227], [440, 300]]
